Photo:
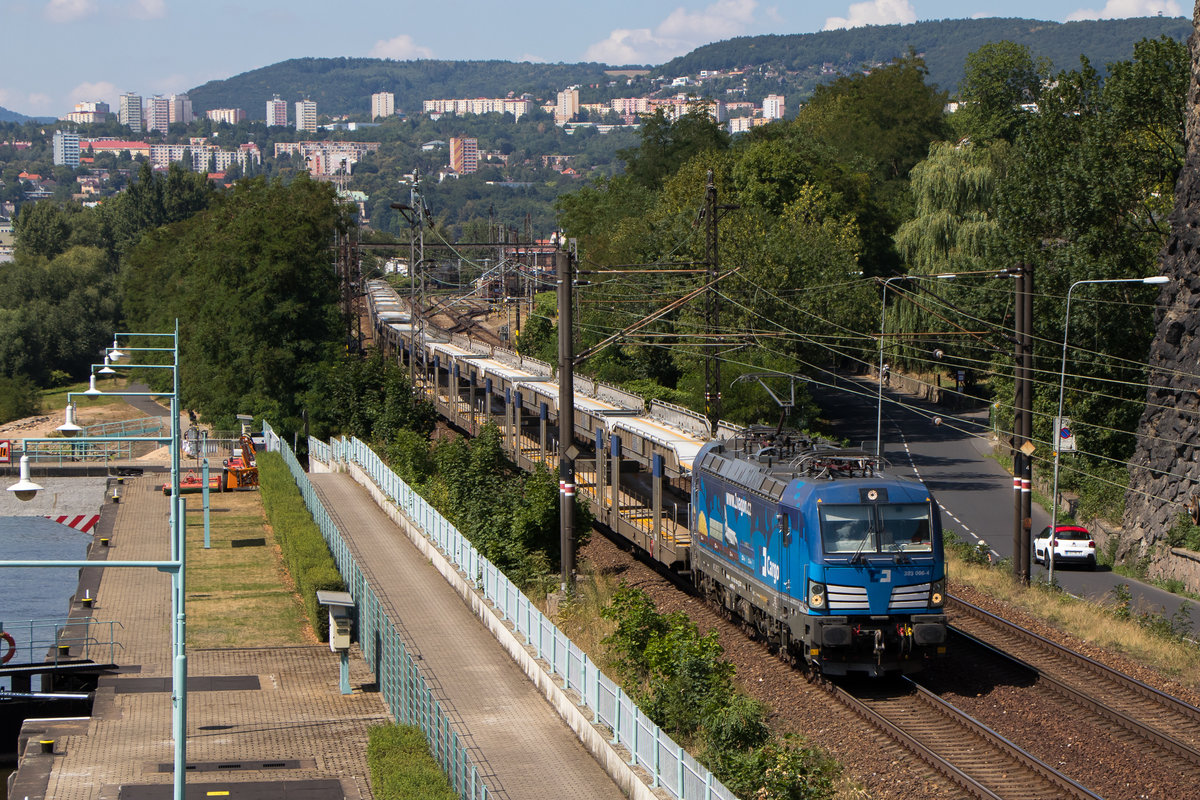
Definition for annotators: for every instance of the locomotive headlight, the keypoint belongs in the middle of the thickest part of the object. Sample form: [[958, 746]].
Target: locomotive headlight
[[937, 594], [816, 595]]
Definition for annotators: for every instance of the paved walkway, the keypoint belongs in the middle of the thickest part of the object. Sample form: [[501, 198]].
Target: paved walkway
[[247, 708], [521, 745]]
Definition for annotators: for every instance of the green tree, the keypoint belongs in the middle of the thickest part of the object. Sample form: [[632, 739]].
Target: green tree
[[666, 145], [249, 281], [1002, 83], [41, 229]]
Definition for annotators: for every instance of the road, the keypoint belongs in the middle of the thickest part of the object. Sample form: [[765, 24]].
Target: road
[[973, 490]]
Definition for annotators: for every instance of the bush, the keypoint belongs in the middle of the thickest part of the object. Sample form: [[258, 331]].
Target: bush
[[402, 767], [305, 553], [19, 398]]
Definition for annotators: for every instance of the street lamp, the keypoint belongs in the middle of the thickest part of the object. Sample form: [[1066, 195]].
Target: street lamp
[[25, 489], [1062, 377]]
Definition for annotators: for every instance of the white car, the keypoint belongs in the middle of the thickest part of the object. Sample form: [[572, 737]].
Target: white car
[[1072, 545]]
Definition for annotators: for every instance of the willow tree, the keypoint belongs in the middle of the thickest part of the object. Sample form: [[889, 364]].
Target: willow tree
[[953, 225]]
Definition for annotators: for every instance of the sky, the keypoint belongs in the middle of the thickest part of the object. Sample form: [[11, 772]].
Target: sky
[[54, 53]]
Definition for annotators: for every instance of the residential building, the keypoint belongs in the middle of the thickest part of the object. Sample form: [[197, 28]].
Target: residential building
[[567, 107], [517, 106], [464, 155], [158, 113], [327, 158], [773, 107], [180, 109], [306, 115], [383, 104], [130, 111], [66, 149], [88, 113], [231, 116], [276, 112], [116, 146]]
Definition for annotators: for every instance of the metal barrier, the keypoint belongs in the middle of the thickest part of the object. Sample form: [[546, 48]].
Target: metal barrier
[[670, 766], [141, 426], [404, 688], [89, 639]]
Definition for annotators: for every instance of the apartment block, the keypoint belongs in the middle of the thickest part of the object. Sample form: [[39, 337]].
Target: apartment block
[[158, 113], [306, 115], [230, 115], [88, 113], [325, 158], [464, 155], [276, 112], [567, 107], [383, 104], [66, 149], [479, 105], [130, 111], [180, 109], [773, 107]]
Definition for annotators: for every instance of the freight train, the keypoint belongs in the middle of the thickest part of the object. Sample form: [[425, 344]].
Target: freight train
[[814, 546]]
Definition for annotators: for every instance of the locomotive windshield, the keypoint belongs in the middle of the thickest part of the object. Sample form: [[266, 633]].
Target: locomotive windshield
[[877, 528]]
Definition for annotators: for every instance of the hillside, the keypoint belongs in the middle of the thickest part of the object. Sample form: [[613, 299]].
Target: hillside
[[945, 45], [13, 116], [344, 85]]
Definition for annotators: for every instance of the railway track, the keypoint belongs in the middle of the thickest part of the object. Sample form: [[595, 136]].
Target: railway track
[[969, 754], [1163, 722]]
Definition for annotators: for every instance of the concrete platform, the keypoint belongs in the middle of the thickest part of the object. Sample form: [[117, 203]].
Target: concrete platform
[[292, 731], [521, 745]]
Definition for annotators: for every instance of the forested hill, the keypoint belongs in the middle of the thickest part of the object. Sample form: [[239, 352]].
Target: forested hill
[[12, 116], [945, 45], [345, 85]]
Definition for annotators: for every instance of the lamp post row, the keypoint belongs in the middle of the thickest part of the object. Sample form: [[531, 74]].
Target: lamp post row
[[25, 489]]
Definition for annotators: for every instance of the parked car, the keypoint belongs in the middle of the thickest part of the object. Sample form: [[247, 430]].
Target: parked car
[[1072, 545]]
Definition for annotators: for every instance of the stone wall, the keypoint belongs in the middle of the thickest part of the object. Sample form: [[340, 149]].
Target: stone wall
[[1164, 473]]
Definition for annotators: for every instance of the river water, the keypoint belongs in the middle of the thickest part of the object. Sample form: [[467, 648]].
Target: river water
[[36, 593]]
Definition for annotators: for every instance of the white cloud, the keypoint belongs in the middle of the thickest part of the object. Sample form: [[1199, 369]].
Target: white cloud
[[400, 48], [680, 32], [24, 103], [1122, 9], [100, 90], [874, 12], [147, 9], [532, 58], [69, 10]]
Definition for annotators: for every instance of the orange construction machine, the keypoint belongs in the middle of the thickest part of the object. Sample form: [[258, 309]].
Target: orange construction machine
[[241, 470]]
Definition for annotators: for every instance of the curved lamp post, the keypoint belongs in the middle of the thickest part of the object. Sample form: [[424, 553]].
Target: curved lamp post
[[1062, 377], [26, 489]]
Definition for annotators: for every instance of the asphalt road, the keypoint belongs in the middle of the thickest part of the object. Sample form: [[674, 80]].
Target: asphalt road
[[973, 490]]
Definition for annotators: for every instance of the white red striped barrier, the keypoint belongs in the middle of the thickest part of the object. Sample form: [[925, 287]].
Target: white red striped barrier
[[80, 522]]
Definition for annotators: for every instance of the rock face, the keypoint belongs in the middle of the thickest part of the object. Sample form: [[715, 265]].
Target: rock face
[[1164, 473]]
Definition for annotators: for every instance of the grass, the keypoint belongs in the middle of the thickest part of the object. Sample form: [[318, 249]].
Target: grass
[[239, 596], [402, 767], [1095, 624]]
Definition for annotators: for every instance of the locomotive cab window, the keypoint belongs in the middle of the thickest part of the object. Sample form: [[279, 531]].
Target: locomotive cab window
[[881, 528], [847, 529], [905, 527]]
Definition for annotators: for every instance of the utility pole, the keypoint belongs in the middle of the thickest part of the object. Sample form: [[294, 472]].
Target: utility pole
[[566, 419], [1023, 447], [712, 363]]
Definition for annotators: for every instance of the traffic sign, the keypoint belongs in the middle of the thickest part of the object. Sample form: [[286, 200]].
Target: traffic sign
[[1064, 435]]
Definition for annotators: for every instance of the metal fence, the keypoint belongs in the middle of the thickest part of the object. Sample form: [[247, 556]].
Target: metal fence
[[670, 766], [401, 683]]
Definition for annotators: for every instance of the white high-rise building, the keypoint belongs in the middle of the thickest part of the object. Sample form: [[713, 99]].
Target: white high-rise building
[[568, 105], [130, 113], [158, 113], [276, 112], [773, 106], [306, 115], [66, 149], [383, 104], [180, 109]]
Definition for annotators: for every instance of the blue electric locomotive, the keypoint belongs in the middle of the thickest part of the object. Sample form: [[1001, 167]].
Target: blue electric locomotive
[[823, 554]]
